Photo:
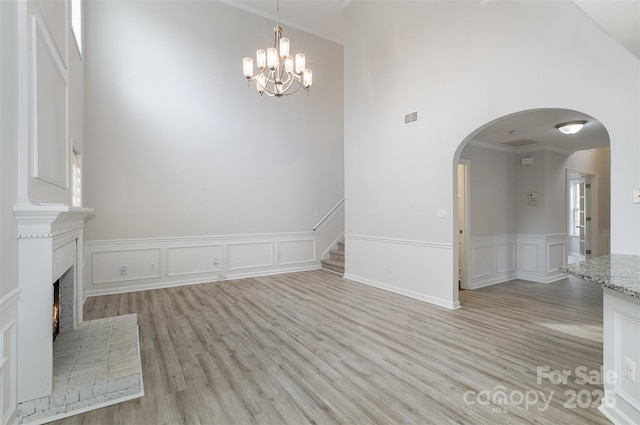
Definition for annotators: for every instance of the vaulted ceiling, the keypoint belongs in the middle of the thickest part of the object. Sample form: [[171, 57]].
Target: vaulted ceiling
[[619, 18]]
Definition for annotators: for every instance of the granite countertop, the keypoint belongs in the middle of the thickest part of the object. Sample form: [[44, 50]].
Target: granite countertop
[[618, 272]]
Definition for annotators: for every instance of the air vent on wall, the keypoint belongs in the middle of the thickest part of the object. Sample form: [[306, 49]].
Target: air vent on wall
[[411, 118]]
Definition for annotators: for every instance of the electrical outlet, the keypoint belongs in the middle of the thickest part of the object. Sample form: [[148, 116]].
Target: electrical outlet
[[123, 269], [152, 266], [630, 369], [216, 262]]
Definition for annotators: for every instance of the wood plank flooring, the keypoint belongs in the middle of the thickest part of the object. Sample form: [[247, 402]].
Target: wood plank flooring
[[315, 348]]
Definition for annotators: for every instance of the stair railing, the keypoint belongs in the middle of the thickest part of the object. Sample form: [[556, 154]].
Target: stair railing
[[325, 218]]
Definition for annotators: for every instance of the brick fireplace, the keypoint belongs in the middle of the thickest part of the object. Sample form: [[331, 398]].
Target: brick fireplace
[[50, 244]]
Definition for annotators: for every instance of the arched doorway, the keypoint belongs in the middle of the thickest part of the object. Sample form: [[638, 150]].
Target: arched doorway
[[516, 210]]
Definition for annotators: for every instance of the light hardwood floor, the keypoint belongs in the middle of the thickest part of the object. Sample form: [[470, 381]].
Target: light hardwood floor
[[312, 347]]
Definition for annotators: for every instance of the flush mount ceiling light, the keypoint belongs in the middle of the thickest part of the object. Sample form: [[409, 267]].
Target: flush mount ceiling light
[[280, 74], [571, 127]]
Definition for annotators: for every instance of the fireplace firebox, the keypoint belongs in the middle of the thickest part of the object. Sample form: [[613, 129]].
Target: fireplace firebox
[[56, 309]]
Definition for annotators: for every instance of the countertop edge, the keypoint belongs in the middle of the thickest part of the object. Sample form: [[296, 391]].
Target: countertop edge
[[601, 264]]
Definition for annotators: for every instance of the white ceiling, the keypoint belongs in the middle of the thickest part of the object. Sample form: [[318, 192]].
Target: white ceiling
[[324, 18], [540, 127], [318, 17], [619, 18]]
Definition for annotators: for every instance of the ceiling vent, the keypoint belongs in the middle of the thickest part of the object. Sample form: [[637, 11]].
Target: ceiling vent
[[519, 143]]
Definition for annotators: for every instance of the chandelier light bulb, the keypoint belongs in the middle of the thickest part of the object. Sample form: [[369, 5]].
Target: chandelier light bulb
[[247, 65], [288, 63], [261, 82], [300, 63], [284, 48], [308, 78], [272, 58], [261, 59]]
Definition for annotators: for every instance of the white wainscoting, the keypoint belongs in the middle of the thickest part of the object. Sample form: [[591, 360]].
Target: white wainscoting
[[9, 356], [412, 268], [540, 256], [193, 260], [492, 260], [621, 325], [500, 258], [165, 262]]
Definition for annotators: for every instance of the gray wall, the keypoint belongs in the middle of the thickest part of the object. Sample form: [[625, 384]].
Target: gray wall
[[480, 61], [493, 189], [178, 145], [499, 188]]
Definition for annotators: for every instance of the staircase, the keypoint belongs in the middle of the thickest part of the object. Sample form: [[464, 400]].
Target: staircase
[[335, 263]]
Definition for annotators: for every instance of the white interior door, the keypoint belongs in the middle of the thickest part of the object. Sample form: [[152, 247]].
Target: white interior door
[[580, 221]]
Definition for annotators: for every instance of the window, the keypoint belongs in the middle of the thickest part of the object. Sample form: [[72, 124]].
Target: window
[[76, 23], [76, 184], [574, 207]]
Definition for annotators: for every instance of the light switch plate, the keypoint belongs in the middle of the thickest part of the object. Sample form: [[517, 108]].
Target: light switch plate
[[636, 196]]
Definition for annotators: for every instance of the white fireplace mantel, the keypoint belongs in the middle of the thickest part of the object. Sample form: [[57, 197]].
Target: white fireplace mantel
[[50, 241], [46, 221]]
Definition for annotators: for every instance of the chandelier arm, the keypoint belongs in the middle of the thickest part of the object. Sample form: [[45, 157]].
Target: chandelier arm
[[271, 93], [286, 85], [272, 77]]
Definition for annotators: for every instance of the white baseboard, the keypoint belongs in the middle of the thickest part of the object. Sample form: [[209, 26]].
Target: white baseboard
[[555, 277], [615, 415], [492, 281], [432, 300]]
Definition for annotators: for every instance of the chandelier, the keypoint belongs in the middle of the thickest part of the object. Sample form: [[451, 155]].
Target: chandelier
[[280, 74]]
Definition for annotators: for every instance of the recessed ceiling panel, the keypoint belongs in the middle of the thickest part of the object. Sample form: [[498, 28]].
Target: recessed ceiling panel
[[520, 142]]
